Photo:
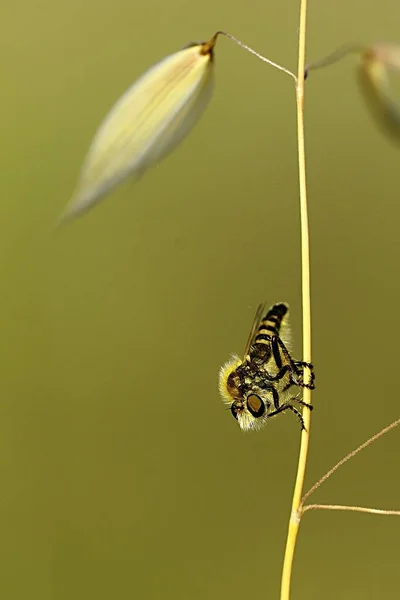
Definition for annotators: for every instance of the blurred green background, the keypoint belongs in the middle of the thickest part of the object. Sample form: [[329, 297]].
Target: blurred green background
[[121, 473]]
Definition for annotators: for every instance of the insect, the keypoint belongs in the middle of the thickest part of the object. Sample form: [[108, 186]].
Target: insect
[[258, 386]]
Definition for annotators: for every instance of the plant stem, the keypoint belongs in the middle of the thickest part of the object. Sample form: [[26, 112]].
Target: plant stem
[[348, 456], [294, 521], [363, 509], [249, 49], [336, 56]]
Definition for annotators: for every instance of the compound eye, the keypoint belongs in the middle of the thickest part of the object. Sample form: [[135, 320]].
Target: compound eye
[[255, 405], [234, 410]]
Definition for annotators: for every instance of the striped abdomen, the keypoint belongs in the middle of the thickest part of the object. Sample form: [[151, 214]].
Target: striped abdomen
[[271, 324]]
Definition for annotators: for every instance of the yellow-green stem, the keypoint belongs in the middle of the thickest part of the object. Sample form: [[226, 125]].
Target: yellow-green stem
[[294, 521]]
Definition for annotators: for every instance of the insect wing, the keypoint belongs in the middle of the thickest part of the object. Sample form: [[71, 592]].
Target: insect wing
[[254, 328]]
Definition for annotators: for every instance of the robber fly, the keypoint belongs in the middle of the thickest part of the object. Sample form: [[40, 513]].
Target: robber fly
[[260, 385]]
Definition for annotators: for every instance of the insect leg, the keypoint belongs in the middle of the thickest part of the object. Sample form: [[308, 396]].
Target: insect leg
[[268, 387], [277, 343], [309, 386], [310, 366], [268, 377], [300, 383], [289, 385], [295, 378], [275, 351], [280, 409], [284, 407], [275, 397], [302, 363], [299, 401], [278, 376], [298, 415]]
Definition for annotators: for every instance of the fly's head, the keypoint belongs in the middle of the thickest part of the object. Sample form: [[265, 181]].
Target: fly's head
[[252, 410], [248, 402]]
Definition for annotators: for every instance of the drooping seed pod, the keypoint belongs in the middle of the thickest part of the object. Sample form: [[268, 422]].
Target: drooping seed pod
[[146, 123], [374, 81]]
